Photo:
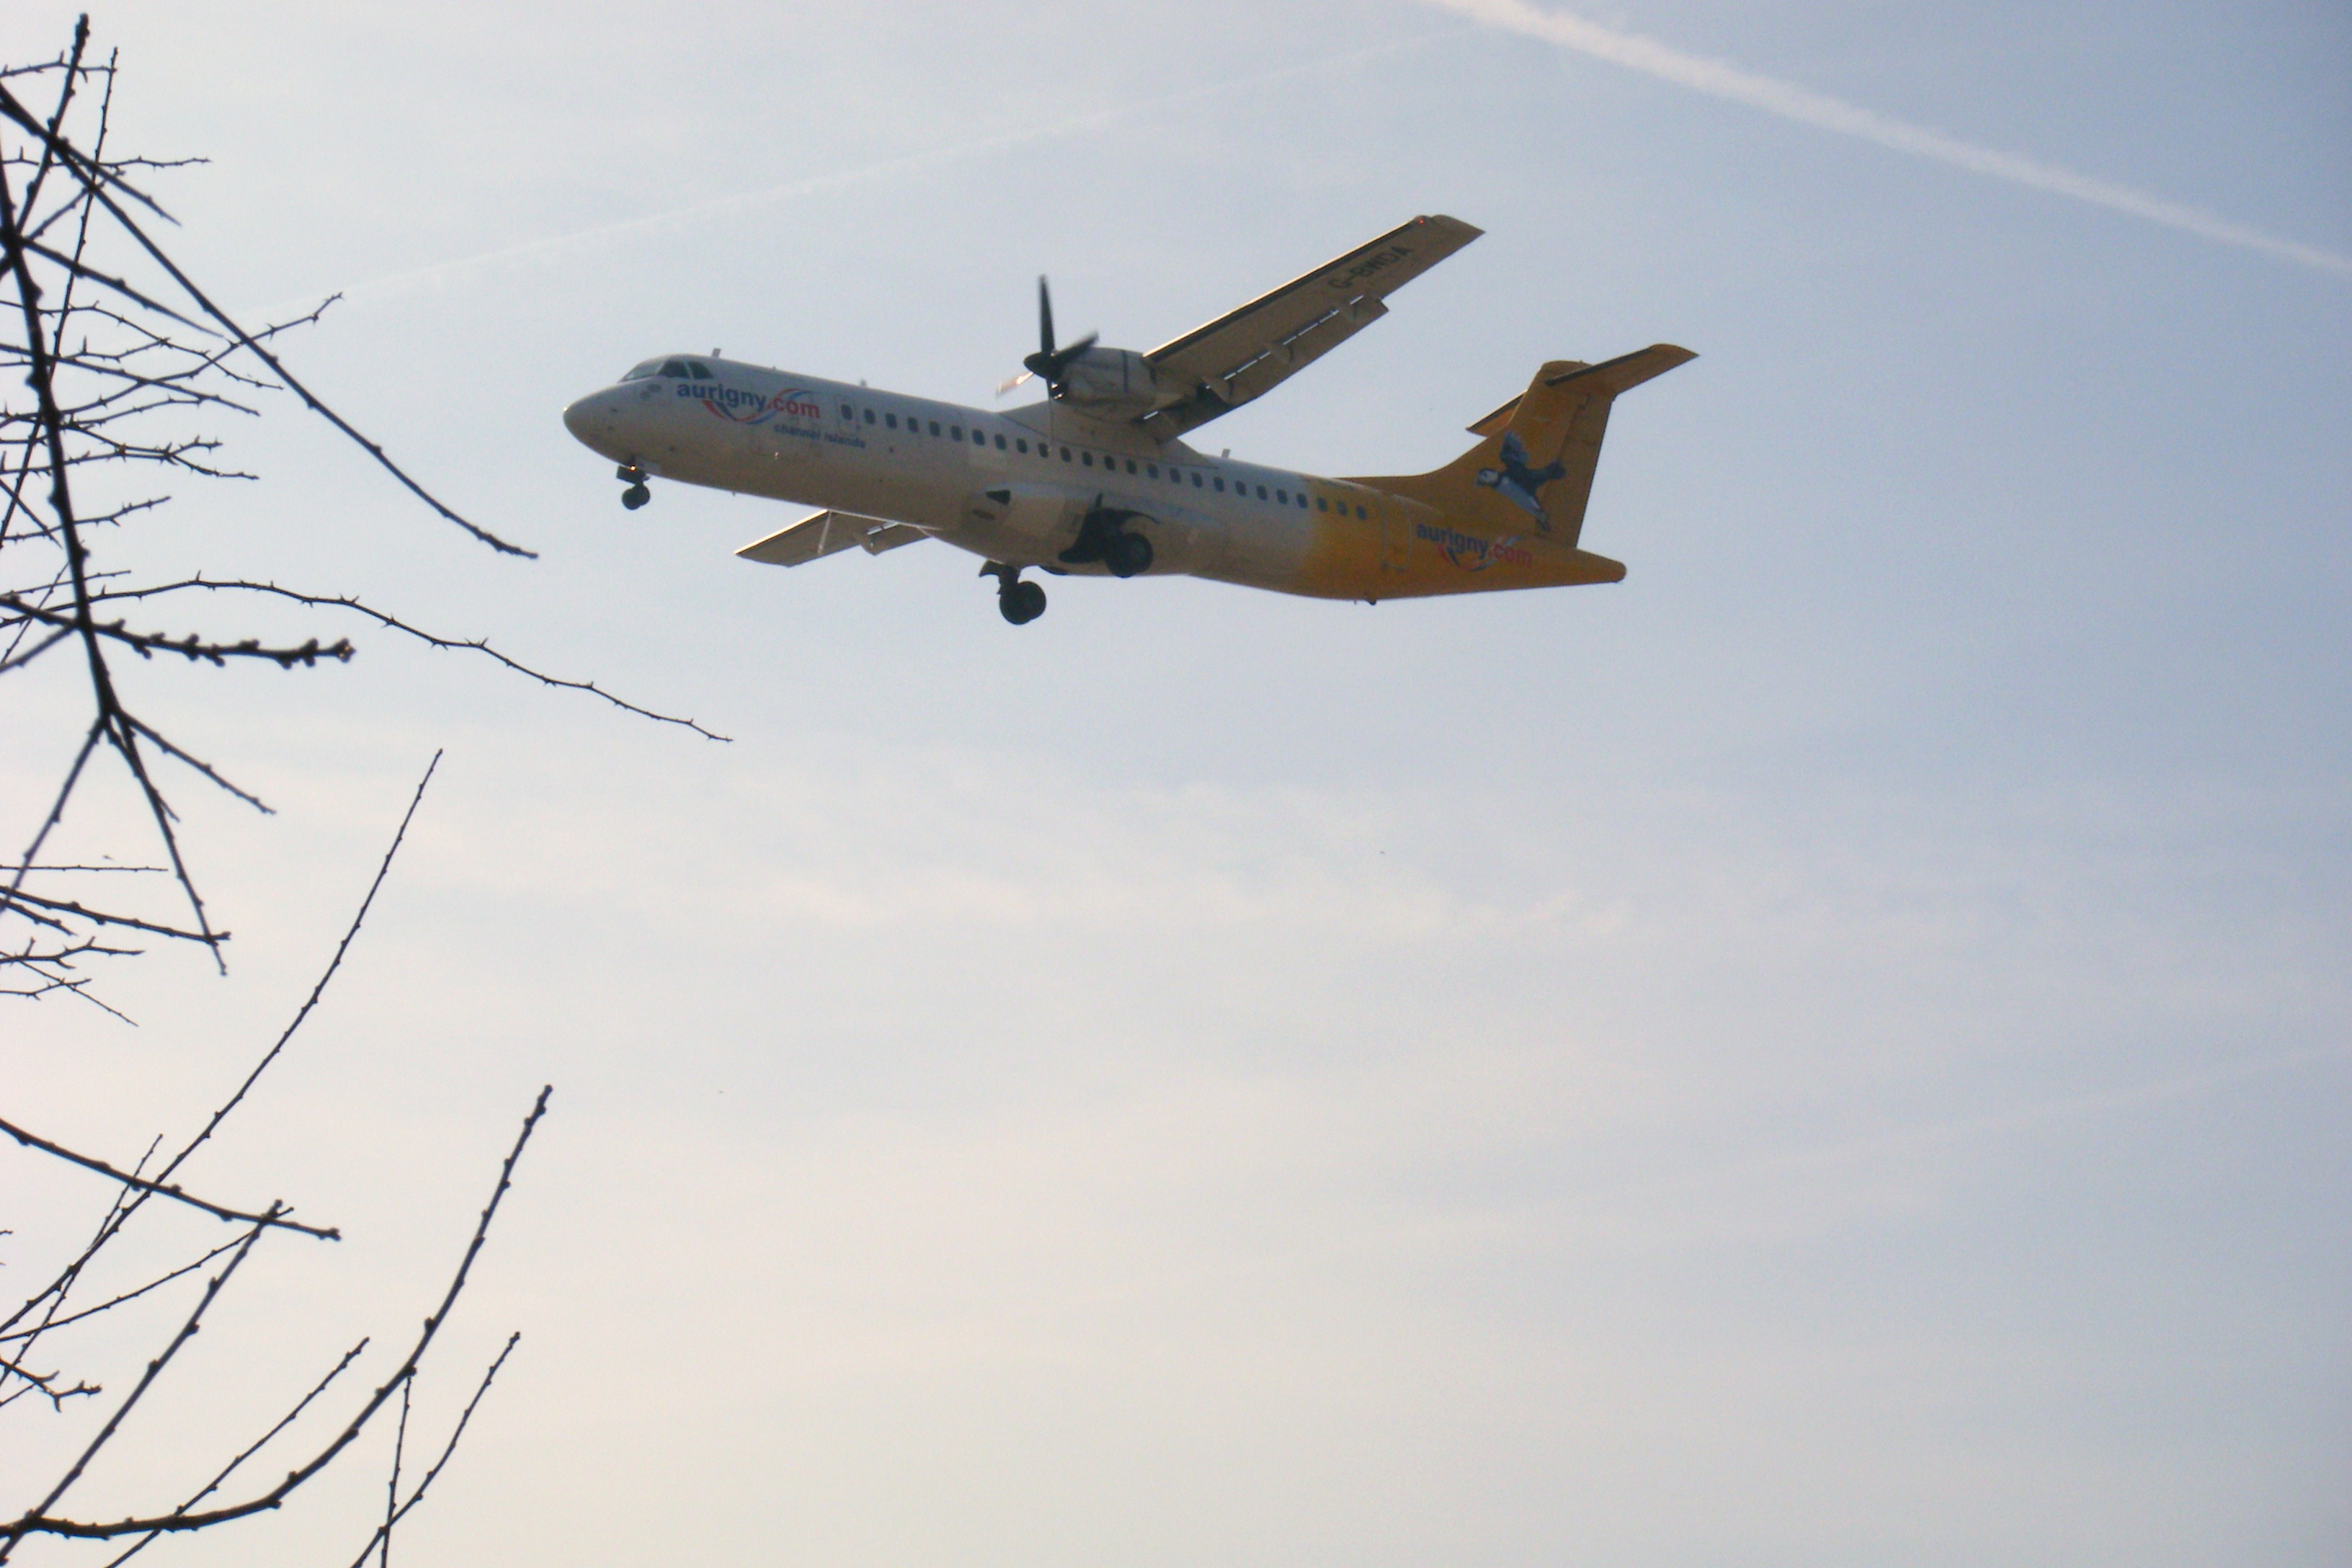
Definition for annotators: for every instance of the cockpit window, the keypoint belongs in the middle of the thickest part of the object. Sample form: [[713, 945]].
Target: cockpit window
[[676, 367], [651, 367], [701, 371]]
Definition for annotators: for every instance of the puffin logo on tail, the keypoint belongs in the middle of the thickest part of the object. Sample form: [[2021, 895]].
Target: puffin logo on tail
[[1520, 483]]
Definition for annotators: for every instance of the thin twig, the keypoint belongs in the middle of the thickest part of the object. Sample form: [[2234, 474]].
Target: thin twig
[[129, 1201], [218, 1211], [13, 1534], [393, 623], [73, 158], [38, 1521], [391, 1486], [446, 1449], [113, 1301], [252, 1449]]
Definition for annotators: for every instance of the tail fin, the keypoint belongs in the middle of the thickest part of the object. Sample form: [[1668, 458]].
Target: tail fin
[[1539, 450]]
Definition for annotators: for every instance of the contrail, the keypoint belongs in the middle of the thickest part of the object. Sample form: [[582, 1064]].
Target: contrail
[[555, 246], [1806, 106]]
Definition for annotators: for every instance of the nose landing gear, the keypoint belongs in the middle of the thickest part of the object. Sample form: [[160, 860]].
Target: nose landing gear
[[1019, 603], [636, 495]]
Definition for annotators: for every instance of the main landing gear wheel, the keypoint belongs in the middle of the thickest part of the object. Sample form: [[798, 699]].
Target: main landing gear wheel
[[636, 495], [1022, 603], [1017, 601], [1126, 554]]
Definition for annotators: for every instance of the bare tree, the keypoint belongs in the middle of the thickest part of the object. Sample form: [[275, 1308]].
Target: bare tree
[[62, 1304], [121, 357], [118, 350]]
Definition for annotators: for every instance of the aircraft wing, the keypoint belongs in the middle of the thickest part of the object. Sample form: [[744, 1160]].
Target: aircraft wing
[[827, 531], [1242, 356]]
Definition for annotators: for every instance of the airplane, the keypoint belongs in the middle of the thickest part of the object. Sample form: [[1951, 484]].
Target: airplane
[[1097, 479]]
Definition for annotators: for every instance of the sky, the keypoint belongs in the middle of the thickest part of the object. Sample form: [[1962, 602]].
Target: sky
[[1830, 1051]]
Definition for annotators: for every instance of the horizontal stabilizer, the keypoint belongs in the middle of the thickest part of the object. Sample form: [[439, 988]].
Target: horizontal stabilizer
[[826, 532], [1625, 371]]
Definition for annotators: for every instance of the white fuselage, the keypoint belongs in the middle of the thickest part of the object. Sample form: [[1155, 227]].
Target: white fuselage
[[1011, 487]]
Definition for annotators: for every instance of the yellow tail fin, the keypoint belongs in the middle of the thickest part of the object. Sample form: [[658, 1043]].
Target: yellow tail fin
[[1536, 461]]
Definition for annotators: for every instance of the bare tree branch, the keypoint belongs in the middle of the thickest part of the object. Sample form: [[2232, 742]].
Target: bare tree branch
[[119, 353], [39, 1522], [32, 906], [391, 1486], [301, 1014], [97, 188], [130, 1199], [273, 1216], [383, 1531], [11, 1535], [393, 623], [250, 1449], [148, 644], [183, 1271], [110, 357]]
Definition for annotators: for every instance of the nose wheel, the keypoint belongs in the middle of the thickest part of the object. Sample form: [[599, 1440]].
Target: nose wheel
[[1018, 602], [636, 495]]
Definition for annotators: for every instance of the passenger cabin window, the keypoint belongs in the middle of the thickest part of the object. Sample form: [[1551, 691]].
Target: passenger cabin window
[[1302, 500], [1360, 512], [1130, 465], [1087, 458], [891, 420], [1000, 442], [1261, 492], [848, 411], [869, 416], [1022, 446], [1196, 482], [1220, 487], [1066, 455], [1321, 505], [935, 426], [1151, 470]]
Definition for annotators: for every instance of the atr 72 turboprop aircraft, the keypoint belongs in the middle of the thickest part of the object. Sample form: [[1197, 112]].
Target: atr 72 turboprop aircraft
[[1097, 478]]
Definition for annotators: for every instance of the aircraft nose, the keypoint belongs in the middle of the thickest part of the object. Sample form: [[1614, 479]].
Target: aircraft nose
[[587, 418]]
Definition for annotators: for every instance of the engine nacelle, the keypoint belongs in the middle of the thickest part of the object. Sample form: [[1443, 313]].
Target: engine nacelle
[[1116, 382]]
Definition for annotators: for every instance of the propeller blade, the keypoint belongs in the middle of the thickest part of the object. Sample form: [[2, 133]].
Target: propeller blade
[[1048, 363]]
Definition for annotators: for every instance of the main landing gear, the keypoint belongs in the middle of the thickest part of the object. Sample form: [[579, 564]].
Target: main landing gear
[[1103, 536], [636, 495], [1018, 602]]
